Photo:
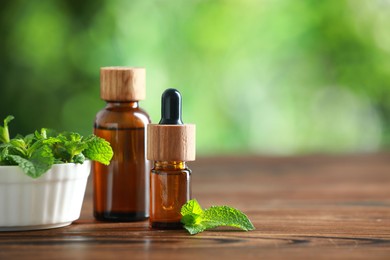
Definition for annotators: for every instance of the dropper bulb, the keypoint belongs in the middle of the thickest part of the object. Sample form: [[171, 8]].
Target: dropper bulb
[[171, 107]]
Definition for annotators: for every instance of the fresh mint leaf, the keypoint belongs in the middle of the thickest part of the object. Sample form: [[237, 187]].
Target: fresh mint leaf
[[43, 159], [8, 119], [28, 139], [4, 132], [4, 152], [195, 229], [67, 146], [9, 148], [191, 212], [37, 152], [73, 145], [18, 146], [40, 161], [41, 135], [98, 150], [192, 206], [227, 216], [79, 158], [196, 220]]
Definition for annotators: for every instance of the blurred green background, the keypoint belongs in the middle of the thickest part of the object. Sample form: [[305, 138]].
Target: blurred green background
[[257, 76]]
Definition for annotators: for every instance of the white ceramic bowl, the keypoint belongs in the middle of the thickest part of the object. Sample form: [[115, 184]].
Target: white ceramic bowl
[[50, 201]]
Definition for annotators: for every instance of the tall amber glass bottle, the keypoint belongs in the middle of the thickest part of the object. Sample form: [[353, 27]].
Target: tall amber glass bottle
[[170, 145], [121, 189]]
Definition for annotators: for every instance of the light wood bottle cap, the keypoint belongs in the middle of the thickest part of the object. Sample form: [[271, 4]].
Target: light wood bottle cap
[[171, 142], [122, 83]]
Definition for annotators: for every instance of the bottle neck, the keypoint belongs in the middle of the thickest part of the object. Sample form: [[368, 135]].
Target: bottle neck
[[126, 104], [169, 165]]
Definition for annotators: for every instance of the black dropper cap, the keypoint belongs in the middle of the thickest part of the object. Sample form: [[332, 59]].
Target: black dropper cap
[[171, 107]]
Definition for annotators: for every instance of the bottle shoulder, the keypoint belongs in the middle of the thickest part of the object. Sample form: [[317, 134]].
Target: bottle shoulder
[[122, 118]]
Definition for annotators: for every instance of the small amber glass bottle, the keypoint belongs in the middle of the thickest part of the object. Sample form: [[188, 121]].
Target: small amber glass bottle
[[170, 144], [121, 189], [171, 189]]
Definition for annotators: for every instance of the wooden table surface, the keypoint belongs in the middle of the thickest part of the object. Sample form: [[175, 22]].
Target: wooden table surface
[[329, 207]]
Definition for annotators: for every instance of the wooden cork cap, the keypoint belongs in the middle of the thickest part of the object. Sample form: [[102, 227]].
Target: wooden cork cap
[[171, 142], [122, 83]]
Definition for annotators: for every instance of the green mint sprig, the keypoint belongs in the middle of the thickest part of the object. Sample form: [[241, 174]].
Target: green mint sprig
[[36, 153], [196, 220]]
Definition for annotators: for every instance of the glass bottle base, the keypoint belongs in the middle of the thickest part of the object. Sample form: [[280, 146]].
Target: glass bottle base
[[120, 216], [166, 225]]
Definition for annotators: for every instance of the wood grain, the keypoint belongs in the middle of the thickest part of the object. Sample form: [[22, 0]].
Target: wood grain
[[171, 142], [318, 207], [122, 83]]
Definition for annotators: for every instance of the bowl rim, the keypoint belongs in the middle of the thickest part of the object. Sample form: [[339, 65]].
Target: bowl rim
[[15, 174], [55, 164]]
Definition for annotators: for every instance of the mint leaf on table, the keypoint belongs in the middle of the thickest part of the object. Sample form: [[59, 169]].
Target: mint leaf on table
[[196, 220], [227, 216], [191, 217]]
